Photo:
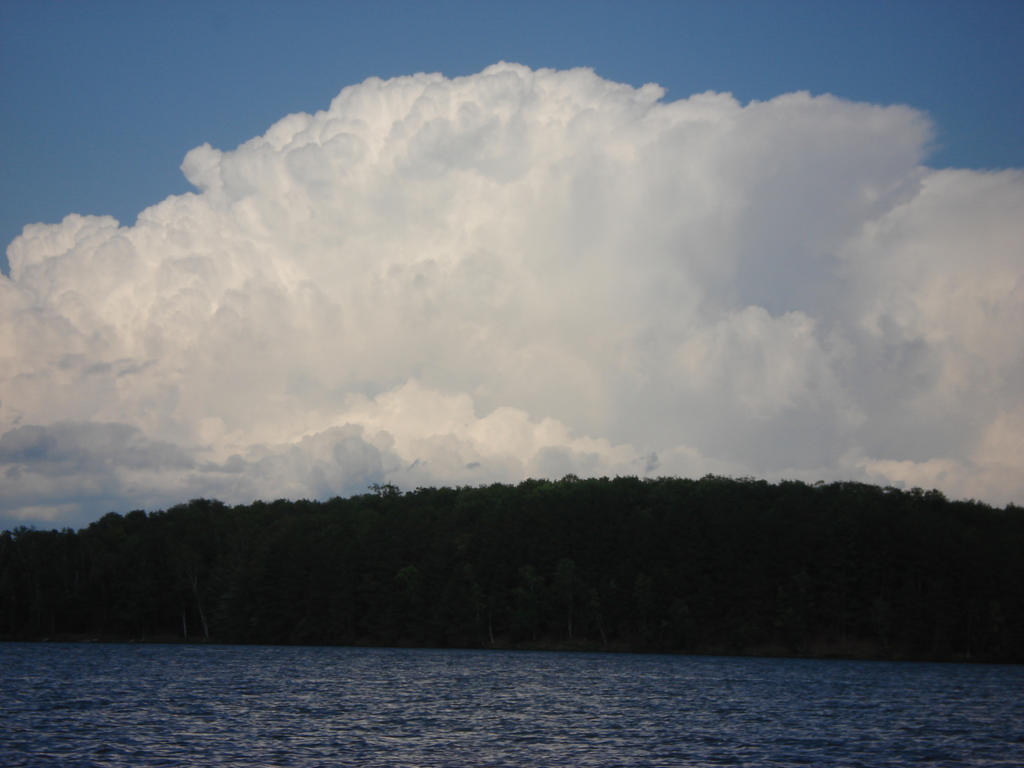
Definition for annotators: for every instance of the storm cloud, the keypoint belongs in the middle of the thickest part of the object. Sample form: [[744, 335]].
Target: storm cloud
[[524, 273]]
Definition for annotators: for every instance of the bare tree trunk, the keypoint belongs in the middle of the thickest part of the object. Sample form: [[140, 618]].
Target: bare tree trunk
[[199, 607]]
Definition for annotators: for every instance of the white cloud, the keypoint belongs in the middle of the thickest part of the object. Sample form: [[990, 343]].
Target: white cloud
[[519, 273]]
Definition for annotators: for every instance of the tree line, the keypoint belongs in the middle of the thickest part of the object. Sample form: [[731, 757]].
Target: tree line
[[714, 565]]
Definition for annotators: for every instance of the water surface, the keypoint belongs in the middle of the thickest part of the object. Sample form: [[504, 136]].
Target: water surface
[[162, 705]]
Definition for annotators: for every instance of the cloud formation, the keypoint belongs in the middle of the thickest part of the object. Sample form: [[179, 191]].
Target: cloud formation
[[523, 273]]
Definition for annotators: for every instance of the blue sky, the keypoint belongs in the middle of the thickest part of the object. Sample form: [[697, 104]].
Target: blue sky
[[101, 100], [512, 270]]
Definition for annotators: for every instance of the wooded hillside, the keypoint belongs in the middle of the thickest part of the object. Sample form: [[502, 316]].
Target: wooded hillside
[[714, 565]]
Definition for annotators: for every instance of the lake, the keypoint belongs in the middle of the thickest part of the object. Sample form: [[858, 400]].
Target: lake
[[162, 705]]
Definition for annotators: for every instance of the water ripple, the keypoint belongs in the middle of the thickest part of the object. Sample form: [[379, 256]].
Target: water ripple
[[132, 705]]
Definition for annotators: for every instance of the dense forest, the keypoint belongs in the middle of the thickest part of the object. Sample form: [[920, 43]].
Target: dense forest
[[715, 565]]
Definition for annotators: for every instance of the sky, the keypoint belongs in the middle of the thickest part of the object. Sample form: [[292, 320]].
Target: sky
[[264, 250]]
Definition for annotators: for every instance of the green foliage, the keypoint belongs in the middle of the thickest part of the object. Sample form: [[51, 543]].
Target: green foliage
[[715, 565]]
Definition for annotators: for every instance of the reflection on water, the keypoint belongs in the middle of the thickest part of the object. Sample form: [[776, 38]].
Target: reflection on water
[[131, 705]]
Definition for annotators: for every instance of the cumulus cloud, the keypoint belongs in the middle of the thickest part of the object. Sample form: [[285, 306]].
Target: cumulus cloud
[[524, 273]]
